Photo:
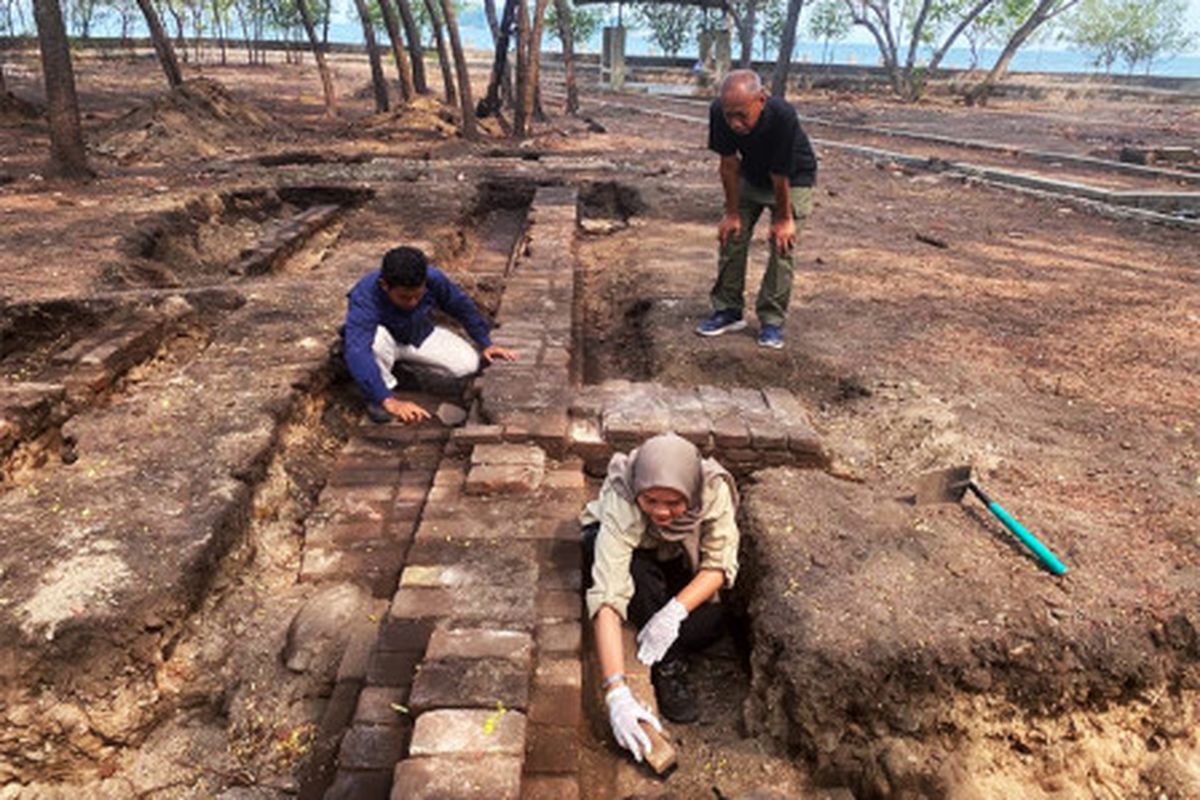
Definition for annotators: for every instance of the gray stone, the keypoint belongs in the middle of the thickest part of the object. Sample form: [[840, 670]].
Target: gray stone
[[451, 415], [321, 628]]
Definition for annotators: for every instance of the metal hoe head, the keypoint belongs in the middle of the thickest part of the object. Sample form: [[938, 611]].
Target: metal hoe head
[[943, 486]]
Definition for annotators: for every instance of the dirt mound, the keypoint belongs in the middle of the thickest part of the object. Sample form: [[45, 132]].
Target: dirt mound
[[916, 649], [423, 116], [199, 119]]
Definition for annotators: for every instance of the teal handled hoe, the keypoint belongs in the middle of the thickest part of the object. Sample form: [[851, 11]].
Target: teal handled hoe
[[949, 486]]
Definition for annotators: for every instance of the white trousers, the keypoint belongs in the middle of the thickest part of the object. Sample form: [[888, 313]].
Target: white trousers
[[443, 354]]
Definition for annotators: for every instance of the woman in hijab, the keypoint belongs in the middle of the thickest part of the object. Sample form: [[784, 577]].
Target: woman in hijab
[[662, 540]]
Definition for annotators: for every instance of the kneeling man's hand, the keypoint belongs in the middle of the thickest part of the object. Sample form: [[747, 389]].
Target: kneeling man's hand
[[497, 353], [404, 410]]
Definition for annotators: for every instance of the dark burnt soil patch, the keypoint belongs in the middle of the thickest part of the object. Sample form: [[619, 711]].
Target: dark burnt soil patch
[[31, 333], [199, 119], [892, 641], [16, 110]]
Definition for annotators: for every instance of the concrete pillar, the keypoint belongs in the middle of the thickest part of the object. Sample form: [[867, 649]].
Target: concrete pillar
[[612, 57]]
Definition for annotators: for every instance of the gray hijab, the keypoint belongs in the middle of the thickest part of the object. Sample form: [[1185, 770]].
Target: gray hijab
[[669, 461]]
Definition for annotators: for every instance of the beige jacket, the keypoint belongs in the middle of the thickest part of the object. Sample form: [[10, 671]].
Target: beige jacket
[[623, 528]]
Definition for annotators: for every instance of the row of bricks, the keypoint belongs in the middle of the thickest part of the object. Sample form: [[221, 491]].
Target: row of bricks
[[285, 239], [476, 699], [77, 374], [719, 419], [536, 314]]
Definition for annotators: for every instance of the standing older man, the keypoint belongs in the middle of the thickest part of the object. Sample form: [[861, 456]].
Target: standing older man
[[766, 162]]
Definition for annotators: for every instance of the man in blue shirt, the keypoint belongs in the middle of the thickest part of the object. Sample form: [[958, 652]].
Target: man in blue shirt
[[388, 321], [767, 162]]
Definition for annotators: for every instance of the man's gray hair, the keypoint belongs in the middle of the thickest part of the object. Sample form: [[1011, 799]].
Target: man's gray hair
[[741, 81]]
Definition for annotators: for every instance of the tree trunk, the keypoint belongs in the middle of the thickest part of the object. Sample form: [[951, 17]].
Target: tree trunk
[[221, 23], [416, 54], [162, 44], [783, 62], [524, 98], [490, 104], [378, 83], [403, 70], [563, 12], [245, 33], [470, 131], [67, 155], [489, 11], [746, 34], [180, 42], [318, 54], [1044, 12], [439, 37], [936, 59], [535, 57]]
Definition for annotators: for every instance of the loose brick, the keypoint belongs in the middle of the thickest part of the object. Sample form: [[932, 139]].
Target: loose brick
[[470, 435], [552, 749], [467, 732], [458, 778], [470, 683], [514, 646], [371, 747]]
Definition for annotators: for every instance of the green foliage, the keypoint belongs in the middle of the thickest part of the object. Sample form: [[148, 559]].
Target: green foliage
[[772, 16], [671, 27], [584, 22], [1133, 31], [829, 22]]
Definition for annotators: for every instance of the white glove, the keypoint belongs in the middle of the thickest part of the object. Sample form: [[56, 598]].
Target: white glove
[[624, 714], [656, 636]]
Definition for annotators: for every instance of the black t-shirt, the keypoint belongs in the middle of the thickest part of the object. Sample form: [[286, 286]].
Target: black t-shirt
[[777, 145]]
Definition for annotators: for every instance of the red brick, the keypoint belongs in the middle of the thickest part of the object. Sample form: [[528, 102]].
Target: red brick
[[558, 605], [502, 479], [371, 747], [410, 635], [467, 732], [493, 777], [378, 705], [524, 455], [470, 683], [515, 646], [395, 668]]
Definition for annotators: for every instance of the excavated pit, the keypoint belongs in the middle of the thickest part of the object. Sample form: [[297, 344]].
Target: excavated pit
[[243, 233], [202, 674]]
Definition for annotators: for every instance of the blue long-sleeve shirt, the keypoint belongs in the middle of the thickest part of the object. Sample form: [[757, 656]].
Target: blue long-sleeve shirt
[[369, 308]]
